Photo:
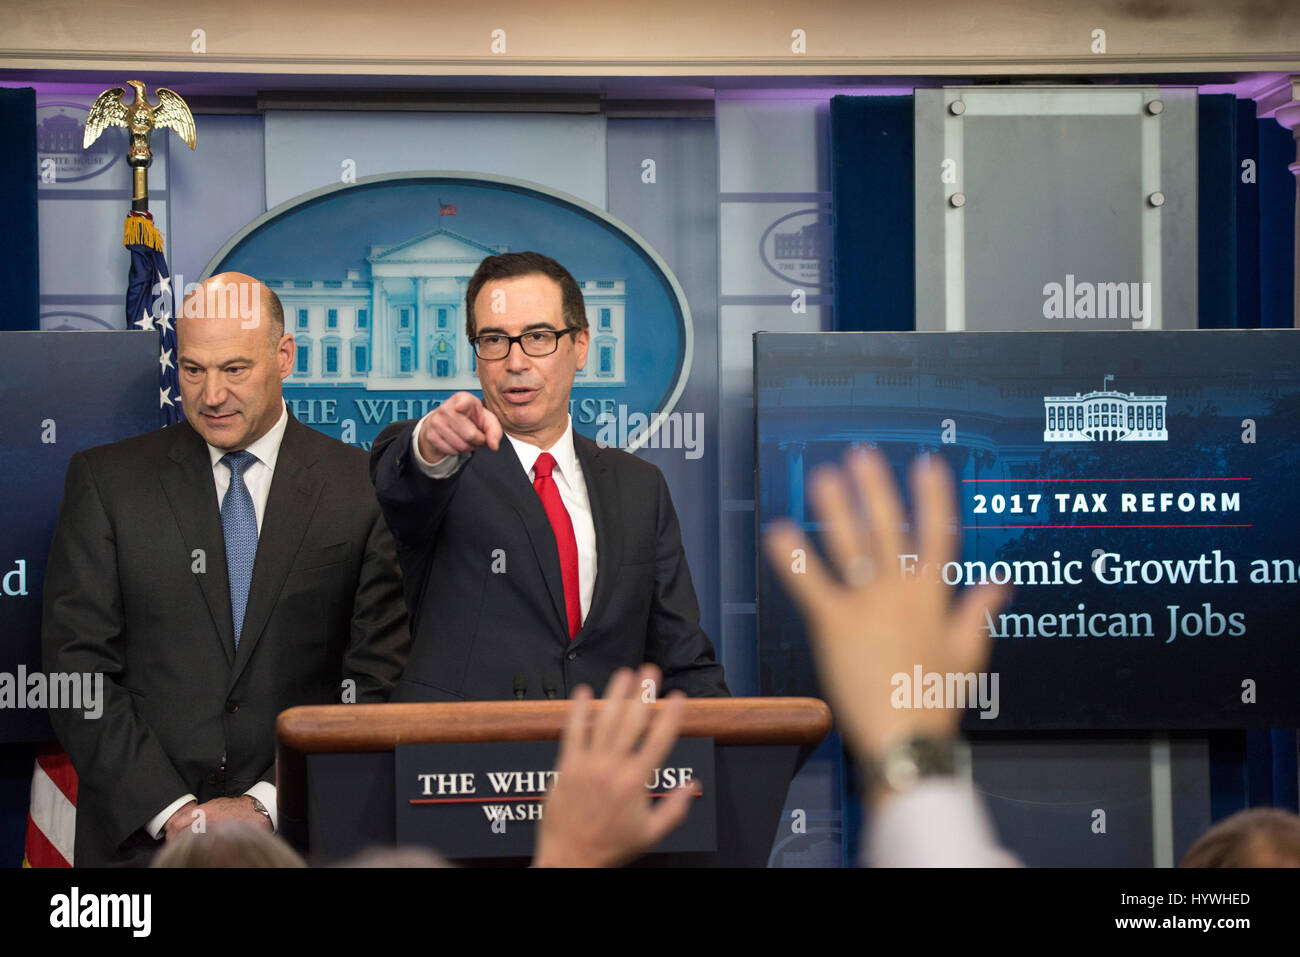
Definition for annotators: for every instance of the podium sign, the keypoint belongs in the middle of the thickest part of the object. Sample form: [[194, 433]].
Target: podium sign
[[485, 800]]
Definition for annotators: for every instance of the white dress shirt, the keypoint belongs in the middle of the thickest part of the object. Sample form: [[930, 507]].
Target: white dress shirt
[[257, 478], [941, 822], [569, 481]]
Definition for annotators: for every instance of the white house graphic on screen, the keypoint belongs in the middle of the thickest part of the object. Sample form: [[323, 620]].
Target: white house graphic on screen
[[1104, 416], [403, 326]]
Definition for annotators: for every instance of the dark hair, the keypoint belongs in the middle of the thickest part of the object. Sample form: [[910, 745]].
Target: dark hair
[[277, 313], [511, 265], [1257, 837]]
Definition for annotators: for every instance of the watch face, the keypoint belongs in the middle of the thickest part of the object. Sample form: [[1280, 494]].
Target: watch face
[[901, 769], [906, 763]]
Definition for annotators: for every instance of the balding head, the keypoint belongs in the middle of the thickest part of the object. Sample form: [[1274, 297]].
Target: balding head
[[232, 356], [234, 296]]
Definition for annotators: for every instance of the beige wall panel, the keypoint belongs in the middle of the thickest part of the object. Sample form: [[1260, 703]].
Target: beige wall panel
[[663, 37]]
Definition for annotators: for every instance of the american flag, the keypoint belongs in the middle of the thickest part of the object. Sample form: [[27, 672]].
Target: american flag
[[149, 305]]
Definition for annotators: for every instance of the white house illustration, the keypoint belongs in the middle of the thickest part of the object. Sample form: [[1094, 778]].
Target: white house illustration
[[403, 327], [1104, 416]]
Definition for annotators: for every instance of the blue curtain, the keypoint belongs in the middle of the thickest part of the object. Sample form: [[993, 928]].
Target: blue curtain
[[19, 276], [1246, 226], [872, 185], [1276, 225]]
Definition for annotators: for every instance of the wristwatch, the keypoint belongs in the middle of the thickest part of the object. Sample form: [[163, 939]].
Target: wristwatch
[[260, 808], [906, 763]]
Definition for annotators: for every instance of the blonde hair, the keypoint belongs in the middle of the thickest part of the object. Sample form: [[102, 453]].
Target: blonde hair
[[228, 844], [1258, 837]]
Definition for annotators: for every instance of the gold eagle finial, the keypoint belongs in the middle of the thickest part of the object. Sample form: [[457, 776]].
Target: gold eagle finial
[[141, 118]]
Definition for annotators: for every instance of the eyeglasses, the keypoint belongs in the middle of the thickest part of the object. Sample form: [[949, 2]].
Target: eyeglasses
[[537, 343]]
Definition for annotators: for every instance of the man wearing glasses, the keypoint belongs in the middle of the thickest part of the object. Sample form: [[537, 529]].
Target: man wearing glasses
[[533, 559]]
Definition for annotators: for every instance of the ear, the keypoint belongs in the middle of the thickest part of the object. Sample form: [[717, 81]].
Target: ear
[[284, 353], [581, 342]]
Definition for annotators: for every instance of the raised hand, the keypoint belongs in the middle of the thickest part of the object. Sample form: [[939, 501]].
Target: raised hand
[[598, 813], [867, 620]]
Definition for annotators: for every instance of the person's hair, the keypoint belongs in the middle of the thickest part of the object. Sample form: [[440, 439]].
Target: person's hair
[[276, 315], [395, 857], [227, 844], [512, 265], [1257, 837]]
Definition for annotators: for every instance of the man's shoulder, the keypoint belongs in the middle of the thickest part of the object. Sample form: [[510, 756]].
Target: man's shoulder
[[141, 452], [387, 441], [607, 456], [394, 429], [325, 446], [343, 468]]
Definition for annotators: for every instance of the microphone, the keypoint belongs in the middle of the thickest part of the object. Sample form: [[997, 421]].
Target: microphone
[[521, 687], [549, 689]]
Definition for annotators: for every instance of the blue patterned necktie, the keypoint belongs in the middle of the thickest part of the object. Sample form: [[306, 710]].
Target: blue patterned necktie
[[239, 523]]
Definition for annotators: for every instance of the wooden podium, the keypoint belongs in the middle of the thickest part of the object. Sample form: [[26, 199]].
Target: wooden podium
[[336, 782]]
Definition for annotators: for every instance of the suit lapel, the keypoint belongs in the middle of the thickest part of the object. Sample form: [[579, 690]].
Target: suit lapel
[[192, 494], [606, 507], [502, 470], [295, 490]]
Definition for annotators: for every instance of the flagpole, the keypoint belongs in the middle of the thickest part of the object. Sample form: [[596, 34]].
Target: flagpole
[[150, 298]]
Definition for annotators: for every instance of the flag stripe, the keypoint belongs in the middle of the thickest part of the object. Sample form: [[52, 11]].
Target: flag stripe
[[40, 852], [51, 821], [58, 767]]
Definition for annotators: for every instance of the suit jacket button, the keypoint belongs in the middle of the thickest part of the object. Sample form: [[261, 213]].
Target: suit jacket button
[[212, 779], [232, 707], [572, 656]]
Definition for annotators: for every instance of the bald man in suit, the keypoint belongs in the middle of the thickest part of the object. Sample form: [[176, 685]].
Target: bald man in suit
[[215, 572]]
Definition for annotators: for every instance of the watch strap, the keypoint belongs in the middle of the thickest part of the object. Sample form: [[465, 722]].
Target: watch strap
[[906, 763]]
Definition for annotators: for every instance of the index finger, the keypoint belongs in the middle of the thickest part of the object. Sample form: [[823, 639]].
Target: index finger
[[797, 564], [885, 518], [936, 538], [490, 425], [574, 738], [613, 708]]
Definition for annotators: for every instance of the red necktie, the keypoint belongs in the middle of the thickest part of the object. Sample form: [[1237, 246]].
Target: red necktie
[[562, 525]]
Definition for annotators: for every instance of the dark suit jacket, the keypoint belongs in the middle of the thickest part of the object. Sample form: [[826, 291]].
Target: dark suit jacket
[[482, 578], [137, 588]]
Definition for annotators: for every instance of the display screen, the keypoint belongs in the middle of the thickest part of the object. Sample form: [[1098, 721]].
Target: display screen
[[1137, 490]]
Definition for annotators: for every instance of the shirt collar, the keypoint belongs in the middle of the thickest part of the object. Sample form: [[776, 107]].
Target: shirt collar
[[566, 460], [267, 448]]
